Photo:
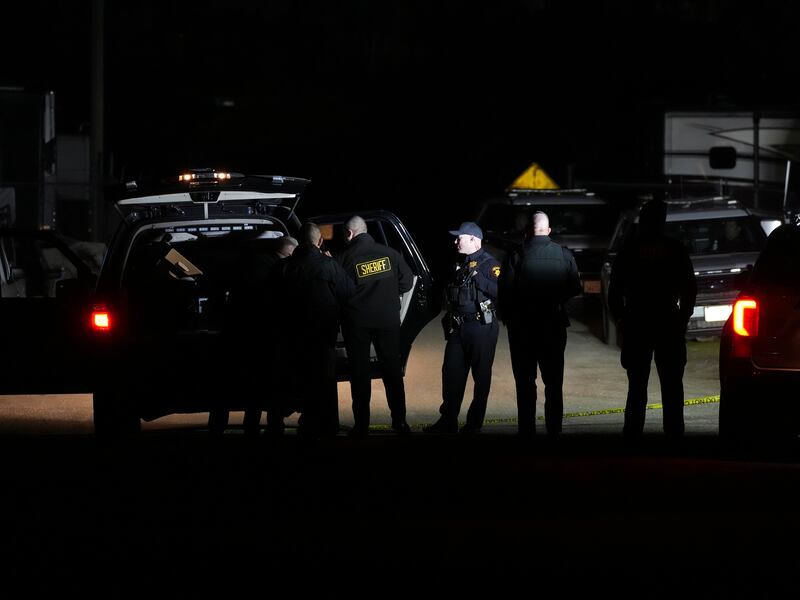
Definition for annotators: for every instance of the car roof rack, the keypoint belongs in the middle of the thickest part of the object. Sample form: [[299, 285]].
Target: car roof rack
[[552, 192], [707, 202]]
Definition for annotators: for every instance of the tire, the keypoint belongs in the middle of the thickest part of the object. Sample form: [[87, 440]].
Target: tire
[[746, 419], [114, 416], [609, 327]]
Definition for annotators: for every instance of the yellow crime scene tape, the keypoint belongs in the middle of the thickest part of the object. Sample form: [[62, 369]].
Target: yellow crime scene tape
[[585, 413]]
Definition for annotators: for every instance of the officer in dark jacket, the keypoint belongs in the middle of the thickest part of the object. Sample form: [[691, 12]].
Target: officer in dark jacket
[[312, 290], [251, 294], [372, 316], [471, 330], [535, 283], [651, 296]]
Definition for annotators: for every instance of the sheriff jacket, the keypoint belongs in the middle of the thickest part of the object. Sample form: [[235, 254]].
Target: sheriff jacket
[[380, 275]]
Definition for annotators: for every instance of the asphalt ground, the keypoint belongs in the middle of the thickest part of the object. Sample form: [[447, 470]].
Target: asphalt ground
[[178, 514]]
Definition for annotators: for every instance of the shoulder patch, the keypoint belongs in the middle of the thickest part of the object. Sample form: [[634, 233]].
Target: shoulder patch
[[373, 267], [496, 270]]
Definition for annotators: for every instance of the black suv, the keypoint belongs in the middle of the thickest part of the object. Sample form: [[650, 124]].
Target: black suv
[[580, 221], [723, 239], [759, 354], [152, 339]]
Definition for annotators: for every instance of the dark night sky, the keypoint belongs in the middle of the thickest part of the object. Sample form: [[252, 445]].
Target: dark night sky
[[400, 104]]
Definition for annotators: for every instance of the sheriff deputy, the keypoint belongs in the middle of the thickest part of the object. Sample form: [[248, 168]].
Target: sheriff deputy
[[471, 331], [372, 317]]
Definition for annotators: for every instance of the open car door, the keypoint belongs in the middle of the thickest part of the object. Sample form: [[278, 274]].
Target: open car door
[[418, 306], [44, 287]]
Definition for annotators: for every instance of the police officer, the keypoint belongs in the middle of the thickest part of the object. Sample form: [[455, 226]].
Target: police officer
[[536, 281], [372, 316], [471, 331], [312, 290], [261, 298], [251, 294], [651, 295]]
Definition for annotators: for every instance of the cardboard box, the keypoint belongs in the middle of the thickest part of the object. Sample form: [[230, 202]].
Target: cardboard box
[[179, 266]]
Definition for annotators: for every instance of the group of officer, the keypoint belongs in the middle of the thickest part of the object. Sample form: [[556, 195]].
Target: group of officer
[[651, 296], [357, 292], [528, 293]]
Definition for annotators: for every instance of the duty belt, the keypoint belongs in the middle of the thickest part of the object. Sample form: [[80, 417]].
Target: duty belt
[[466, 317]]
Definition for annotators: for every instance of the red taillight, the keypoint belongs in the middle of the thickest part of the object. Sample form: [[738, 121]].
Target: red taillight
[[101, 319], [745, 317], [744, 323]]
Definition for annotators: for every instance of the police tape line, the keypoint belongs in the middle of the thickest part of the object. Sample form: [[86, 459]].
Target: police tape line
[[609, 411], [586, 413]]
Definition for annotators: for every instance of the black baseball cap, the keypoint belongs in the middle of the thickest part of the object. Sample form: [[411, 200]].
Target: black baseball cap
[[469, 228]]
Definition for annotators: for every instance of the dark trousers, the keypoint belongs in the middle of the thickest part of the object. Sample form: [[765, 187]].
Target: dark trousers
[[641, 343], [539, 345], [470, 347], [316, 380], [387, 349], [300, 379]]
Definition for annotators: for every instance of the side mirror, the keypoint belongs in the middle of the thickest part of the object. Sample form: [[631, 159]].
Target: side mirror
[[722, 157]]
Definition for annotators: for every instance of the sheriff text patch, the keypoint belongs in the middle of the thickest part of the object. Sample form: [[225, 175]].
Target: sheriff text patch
[[373, 267]]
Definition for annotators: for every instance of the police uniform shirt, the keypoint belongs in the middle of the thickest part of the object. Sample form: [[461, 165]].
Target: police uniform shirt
[[381, 275], [481, 269]]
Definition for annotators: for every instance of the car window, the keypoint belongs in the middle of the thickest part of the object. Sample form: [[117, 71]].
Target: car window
[[34, 267], [717, 236], [394, 240], [381, 231]]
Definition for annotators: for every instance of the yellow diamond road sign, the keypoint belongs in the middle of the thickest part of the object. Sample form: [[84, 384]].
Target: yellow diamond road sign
[[533, 178]]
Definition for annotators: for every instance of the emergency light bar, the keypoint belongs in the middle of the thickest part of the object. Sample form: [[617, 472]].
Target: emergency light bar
[[204, 176]]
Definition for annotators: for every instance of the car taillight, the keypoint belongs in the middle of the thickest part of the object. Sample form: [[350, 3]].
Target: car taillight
[[101, 319], [744, 323], [745, 317]]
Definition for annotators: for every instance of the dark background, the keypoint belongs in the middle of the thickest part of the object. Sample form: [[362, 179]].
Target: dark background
[[419, 107]]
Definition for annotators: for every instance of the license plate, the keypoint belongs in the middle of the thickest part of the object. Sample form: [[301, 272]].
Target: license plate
[[715, 314], [592, 286]]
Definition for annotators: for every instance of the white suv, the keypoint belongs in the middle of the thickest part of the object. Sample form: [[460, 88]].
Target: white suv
[[162, 331]]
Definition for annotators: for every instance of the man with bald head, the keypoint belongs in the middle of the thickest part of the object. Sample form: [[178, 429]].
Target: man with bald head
[[535, 283], [372, 317]]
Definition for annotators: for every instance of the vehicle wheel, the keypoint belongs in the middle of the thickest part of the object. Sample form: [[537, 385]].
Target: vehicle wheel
[[609, 327], [114, 416]]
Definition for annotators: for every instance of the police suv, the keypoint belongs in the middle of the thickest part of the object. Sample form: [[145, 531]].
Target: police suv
[[152, 336], [723, 239], [759, 355]]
